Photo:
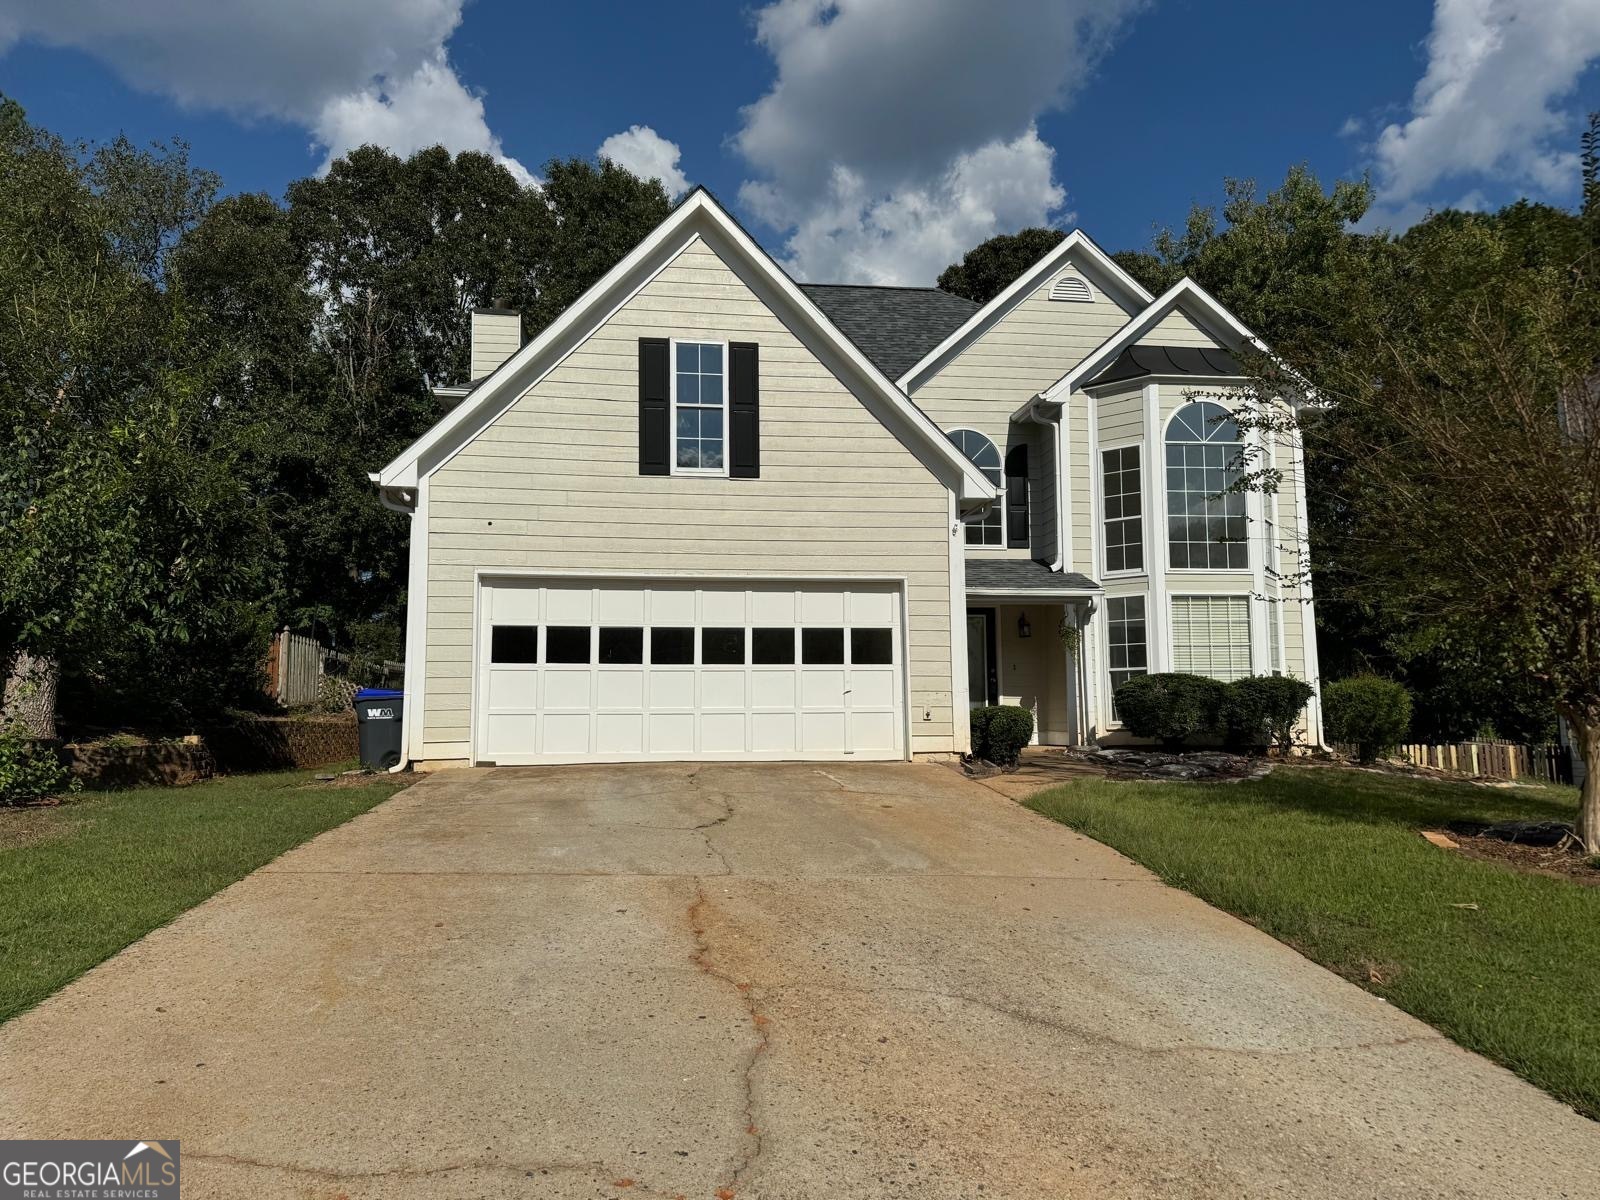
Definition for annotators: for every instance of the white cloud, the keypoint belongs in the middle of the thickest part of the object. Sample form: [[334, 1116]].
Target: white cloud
[[898, 133], [855, 233], [351, 71], [1488, 105], [648, 155]]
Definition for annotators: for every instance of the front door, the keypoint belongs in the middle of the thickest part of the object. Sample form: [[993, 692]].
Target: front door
[[983, 680]]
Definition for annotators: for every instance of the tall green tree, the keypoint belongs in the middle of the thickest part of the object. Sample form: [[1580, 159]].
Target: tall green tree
[[990, 267], [1270, 258], [126, 535], [340, 310], [1460, 406]]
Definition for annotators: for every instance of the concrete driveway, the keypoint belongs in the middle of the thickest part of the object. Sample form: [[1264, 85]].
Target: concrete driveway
[[780, 981]]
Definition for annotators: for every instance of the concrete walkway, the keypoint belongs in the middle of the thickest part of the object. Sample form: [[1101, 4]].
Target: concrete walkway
[[778, 981]]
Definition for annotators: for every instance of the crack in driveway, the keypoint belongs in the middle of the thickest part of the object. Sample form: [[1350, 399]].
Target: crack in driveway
[[763, 1039], [1088, 1035]]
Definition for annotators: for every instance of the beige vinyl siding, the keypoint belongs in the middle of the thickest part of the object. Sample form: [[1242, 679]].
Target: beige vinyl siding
[[1121, 417], [495, 338], [553, 484], [1080, 481], [1027, 350], [1177, 328]]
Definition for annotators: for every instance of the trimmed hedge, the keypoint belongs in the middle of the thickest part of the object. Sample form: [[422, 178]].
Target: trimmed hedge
[[1259, 711], [1170, 707], [999, 732], [1367, 712], [1247, 714]]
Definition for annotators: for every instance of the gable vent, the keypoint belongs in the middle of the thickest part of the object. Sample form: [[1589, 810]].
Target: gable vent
[[1074, 288]]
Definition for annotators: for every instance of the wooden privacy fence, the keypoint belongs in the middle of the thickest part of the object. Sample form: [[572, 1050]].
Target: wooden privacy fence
[[297, 665], [294, 669], [1494, 760]]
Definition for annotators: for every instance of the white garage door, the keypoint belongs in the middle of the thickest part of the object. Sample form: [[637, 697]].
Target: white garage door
[[573, 671]]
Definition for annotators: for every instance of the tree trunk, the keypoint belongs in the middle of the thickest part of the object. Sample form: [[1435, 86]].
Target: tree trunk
[[1587, 736], [29, 701]]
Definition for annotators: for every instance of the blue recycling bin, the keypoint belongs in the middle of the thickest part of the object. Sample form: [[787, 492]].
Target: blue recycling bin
[[378, 721]]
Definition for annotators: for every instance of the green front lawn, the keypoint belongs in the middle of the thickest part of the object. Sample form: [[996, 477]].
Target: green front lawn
[[80, 882], [1330, 862]]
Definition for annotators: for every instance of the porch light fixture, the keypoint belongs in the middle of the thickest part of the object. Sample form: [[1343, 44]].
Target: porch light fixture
[[1023, 628]]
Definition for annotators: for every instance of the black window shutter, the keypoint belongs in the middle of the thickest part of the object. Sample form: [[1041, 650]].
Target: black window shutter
[[1017, 498], [744, 410], [655, 404]]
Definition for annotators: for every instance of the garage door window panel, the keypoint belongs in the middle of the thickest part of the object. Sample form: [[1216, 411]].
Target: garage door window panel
[[514, 645], [621, 646], [568, 644], [722, 647], [871, 647], [821, 647], [671, 646], [773, 647]]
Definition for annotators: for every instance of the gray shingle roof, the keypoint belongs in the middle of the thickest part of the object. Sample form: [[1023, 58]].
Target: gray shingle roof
[[1021, 574], [893, 326], [1138, 361]]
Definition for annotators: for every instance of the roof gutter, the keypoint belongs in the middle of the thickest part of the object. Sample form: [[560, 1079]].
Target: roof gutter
[[395, 499]]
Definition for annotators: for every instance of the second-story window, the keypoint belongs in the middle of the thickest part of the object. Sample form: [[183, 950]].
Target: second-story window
[[1124, 517], [990, 530], [1206, 523], [699, 408]]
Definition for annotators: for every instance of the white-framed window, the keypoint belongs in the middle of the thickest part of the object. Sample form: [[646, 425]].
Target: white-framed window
[[1211, 636], [699, 408], [991, 529], [1127, 653], [1206, 524], [1123, 500]]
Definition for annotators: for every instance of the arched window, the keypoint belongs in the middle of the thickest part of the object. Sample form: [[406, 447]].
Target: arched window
[[990, 531], [1206, 525]]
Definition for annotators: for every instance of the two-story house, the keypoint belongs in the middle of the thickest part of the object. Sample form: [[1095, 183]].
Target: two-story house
[[711, 513]]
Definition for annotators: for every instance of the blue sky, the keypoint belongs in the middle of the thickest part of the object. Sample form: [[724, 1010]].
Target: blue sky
[[860, 139]]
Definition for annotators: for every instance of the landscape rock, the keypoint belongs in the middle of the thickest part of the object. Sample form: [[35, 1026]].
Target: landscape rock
[[1197, 765]]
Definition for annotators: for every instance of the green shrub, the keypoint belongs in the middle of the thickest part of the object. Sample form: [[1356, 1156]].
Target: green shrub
[[999, 732], [29, 770], [1171, 707], [1366, 712], [1261, 710]]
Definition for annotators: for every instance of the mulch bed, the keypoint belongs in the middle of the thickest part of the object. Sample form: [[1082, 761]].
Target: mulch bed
[[1562, 860]]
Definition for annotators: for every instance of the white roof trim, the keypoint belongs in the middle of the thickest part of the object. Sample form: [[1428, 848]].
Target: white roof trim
[[1185, 291], [697, 214], [1116, 282]]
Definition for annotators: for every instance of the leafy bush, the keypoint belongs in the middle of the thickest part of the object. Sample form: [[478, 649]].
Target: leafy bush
[[1367, 712], [1170, 707], [29, 770], [1262, 710], [999, 732]]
